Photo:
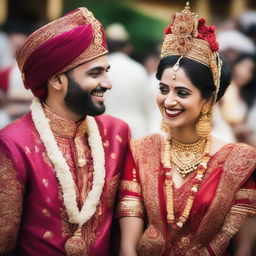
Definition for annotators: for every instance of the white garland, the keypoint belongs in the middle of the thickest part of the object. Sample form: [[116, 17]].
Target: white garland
[[62, 169]]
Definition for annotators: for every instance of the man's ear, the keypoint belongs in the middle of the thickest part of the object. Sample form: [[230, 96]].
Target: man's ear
[[58, 81]]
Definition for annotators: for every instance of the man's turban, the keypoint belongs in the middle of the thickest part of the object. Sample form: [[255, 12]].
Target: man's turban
[[59, 46]]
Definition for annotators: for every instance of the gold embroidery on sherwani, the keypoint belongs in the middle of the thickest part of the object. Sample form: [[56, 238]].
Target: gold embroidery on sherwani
[[90, 228], [130, 206], [119, 138], [146, 153], [239, 163], [48, 235], [71, 140], [112, 186], [11, 197], [132, 186]]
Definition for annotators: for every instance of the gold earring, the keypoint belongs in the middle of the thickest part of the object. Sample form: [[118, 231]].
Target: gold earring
[[203, 126], [166, 129]]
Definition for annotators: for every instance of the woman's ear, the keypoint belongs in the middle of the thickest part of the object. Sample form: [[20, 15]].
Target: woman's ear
[[208, 102], [58, 81]]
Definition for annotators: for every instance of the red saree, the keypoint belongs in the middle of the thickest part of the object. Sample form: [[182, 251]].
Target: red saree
[[226, 197]]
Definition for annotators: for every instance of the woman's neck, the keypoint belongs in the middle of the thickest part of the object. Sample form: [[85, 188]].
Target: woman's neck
[[186, 135]]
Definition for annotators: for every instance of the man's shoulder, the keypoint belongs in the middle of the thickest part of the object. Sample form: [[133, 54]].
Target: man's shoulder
[[19, 128], [108, 122]]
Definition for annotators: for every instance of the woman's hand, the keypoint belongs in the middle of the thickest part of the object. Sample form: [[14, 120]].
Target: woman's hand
[[131, 231]]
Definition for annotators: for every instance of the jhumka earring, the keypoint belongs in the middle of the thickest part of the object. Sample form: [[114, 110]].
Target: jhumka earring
[[203, 126], [166, 129]]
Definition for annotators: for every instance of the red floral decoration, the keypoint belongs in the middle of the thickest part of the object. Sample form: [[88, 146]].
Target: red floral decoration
[[168, 30], [207, 34], [204, 33]]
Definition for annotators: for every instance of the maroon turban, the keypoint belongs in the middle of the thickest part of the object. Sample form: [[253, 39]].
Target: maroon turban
[[59, 46]]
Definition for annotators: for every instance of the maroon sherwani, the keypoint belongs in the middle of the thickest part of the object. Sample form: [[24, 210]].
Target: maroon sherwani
[[33, 218]]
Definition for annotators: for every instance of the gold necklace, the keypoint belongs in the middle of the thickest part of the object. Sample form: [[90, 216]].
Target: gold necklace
[[187, 156], [178, 223]]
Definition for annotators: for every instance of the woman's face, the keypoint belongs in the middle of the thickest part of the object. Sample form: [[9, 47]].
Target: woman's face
[[179, 101], [243, 72]]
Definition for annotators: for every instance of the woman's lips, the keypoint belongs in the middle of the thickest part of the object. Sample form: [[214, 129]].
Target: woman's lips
[[173, 112]]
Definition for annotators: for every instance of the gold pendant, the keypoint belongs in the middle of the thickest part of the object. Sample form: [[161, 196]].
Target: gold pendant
[[75, 245]]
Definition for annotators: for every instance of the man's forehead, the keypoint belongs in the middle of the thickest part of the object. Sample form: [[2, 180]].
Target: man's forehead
[[97, 63]]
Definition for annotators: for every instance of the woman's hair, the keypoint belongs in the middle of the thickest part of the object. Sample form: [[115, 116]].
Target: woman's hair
[[248, 91], [199, 74]]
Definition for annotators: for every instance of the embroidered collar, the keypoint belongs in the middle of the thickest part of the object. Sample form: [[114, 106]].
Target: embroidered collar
[[64, 127]]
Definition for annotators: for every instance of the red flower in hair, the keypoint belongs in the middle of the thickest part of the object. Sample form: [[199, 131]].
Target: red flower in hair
[[168, 30], [207, 34]]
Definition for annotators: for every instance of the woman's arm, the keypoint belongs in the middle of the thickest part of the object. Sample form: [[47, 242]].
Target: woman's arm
[[131, 231], [246, 238], [130, 209], [244, 206]]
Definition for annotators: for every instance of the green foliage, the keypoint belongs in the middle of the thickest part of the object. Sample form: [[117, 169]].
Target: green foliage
[[144, 30]]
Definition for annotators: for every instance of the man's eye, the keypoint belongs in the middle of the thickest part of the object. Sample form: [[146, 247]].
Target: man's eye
[[94, 74]]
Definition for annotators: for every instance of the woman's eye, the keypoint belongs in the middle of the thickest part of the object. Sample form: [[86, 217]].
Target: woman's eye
[[163, 90], [182, 93]]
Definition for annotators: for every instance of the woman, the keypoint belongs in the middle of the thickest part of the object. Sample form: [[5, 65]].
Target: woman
[[187, 193], [242, 92]]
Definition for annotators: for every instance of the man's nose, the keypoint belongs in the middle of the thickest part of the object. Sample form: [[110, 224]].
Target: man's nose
[[106, 84]]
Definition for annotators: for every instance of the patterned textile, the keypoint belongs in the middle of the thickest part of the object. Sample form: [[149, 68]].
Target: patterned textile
[[226, 197], [33, 218]]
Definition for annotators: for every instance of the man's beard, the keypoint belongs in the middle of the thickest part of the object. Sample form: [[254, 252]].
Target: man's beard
[[80, 102]]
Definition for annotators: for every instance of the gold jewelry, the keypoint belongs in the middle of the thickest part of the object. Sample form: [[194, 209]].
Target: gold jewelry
[[203, 126], [189, 37], [201, 169], [176, 67], [76, 245], [166, 129], [187, 156]]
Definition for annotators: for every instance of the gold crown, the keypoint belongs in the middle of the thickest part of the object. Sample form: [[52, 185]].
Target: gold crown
[[188, 37]]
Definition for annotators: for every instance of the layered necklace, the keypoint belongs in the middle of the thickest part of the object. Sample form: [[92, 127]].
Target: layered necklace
[[76, 244], [188, 158]]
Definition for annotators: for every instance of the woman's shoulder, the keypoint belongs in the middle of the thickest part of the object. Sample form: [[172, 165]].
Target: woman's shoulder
[[147, 147], [147, 142], [219, 145]]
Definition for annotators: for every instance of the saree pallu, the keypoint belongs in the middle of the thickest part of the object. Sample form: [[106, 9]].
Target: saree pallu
[[226, 197]]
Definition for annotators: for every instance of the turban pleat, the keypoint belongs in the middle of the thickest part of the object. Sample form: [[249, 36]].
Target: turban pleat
[[53, 56]]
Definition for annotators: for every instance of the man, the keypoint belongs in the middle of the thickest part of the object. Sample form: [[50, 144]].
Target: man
[[59, 165]]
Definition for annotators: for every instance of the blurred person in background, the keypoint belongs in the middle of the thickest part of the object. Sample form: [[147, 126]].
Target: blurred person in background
[[247, 21], [18, 98], [130, 98], [233, 43], [4, 117], [240, 96], [150, 62], [6, 61]]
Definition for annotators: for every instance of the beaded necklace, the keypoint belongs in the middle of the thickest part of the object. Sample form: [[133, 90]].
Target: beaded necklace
[[178, 223]]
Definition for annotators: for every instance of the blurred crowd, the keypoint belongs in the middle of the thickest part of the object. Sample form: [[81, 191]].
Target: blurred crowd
[[14, 98], [135, 86]]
